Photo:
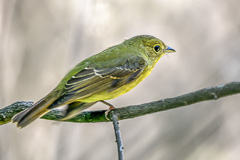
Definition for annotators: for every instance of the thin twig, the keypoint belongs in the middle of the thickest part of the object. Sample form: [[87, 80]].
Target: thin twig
[[211, 93], [118, 136]]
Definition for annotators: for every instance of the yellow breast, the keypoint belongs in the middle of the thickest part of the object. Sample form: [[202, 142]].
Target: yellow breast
[[121, 90]]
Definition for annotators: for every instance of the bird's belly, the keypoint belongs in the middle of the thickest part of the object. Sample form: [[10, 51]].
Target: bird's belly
[[115, 93], [108, 95]]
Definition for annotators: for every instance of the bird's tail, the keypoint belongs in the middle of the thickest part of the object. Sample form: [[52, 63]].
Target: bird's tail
[[27, 116], [73, 109]]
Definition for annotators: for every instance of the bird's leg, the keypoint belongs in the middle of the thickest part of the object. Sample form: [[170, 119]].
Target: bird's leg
[[110, 108], [108, 104]]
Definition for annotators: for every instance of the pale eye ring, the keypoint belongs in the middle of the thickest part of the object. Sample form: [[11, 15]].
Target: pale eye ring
[[157, 48]]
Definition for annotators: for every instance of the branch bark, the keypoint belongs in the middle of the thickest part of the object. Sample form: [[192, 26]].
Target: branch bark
[[118, 136], [211, 93]]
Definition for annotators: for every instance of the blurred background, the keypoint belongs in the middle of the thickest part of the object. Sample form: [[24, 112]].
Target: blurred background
[[42, 40]]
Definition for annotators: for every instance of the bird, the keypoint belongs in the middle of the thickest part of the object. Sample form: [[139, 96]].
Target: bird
[[103, 76]]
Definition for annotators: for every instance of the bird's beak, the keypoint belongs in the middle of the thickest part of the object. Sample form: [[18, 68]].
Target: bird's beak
[[169, 50]]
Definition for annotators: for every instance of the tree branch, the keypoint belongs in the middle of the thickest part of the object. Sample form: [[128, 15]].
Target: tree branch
[[211, 93], [118, 136]]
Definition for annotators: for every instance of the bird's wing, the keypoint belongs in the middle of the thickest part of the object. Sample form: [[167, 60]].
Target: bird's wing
[[93, 80]]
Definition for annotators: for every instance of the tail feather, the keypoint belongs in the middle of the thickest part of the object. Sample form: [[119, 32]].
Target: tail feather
[[27, 116], [75, 108]]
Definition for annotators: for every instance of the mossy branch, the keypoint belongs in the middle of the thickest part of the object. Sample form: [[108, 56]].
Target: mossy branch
[[211, 93]]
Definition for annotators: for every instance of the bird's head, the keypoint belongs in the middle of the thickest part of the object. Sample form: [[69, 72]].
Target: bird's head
[[153, 46]]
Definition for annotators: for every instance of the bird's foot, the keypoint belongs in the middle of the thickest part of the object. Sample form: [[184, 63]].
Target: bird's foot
[[111, 107]]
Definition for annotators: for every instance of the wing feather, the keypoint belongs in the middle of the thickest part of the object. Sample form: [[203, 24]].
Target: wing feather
[[92, 80]]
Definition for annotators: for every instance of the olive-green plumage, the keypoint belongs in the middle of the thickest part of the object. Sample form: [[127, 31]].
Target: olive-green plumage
[[103, 76]]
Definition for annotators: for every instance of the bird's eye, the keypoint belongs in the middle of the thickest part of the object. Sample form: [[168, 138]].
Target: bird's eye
[[157, 48]]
